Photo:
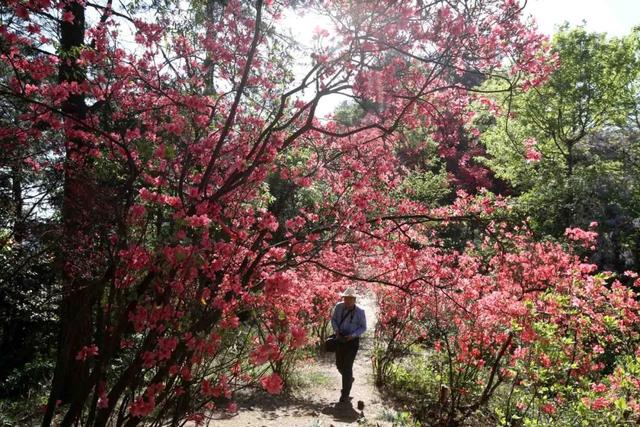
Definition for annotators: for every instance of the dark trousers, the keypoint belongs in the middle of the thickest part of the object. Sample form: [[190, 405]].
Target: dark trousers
[[345, 356]]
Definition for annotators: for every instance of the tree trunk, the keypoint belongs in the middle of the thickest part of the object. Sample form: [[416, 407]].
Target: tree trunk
[[75, 327]]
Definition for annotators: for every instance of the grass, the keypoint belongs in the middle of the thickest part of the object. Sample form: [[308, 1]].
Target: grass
[[307, 378]]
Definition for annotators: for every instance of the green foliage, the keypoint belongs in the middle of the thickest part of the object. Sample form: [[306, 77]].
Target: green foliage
[[416, 379], [430, 390], [302, 379], [427, 179], [589, 89], [582, 123], [579, 404], [399, 418], [34, 375], [24, 412], [27, 283], [417, 382], [426, 186], [348, 114]]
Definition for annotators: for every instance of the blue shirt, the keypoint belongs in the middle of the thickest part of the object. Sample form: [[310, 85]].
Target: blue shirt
[[354, 324]]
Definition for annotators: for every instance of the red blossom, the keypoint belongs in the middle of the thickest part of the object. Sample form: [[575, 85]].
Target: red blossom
[[87, 352], [272, 383]]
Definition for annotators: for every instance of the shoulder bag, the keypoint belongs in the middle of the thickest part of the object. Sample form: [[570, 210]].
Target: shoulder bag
[[331, 343]]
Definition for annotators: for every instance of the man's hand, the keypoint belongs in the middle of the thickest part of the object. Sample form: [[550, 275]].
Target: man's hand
[[350, 337]]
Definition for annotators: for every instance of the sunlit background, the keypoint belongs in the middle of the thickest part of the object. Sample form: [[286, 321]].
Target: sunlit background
[[615, 17]]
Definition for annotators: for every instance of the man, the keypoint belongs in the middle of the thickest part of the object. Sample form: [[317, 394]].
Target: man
[[349, 323]]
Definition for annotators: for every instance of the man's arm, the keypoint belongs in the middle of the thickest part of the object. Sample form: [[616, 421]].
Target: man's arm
[[334, 319], [362, 324]]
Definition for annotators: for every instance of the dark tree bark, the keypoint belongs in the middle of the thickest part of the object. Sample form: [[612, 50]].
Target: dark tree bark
[[70, 375]]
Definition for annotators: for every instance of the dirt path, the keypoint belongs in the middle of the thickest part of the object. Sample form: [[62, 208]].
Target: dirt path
[[315, 402]]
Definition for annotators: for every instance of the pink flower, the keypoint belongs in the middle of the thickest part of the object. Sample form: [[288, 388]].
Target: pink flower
[[198, 220], [197, 418], [273, 383], [599, 388], [142, 407], [549, 408], [319, 32], [221, 389], [599, 403], [531, 153], [298, 336], [269, 222], [146, 194], [545, 360], [87, 351], [68, 17], [103, 401], [166, 347], [34, 164], [587, 238], [520, 353], [265, 352]]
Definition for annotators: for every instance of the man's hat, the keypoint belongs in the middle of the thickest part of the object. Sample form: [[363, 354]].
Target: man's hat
[[350, 292]]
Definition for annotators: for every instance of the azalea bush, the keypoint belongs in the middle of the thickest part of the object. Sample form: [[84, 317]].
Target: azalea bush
[[511, 322]]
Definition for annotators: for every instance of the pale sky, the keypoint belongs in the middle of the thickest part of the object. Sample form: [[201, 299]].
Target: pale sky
[[616, 17]]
